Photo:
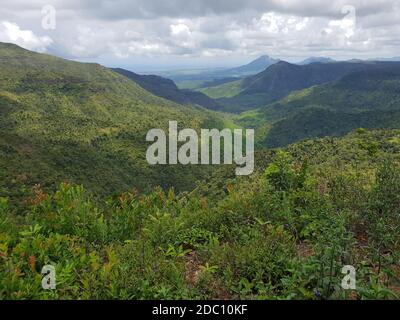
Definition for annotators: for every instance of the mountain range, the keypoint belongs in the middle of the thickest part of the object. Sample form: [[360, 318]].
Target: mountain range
[[369, 98], [254, 67], [279, 80], [196, 79]]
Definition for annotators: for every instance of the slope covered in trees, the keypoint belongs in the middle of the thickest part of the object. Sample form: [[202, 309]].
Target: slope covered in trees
[[83, 123]]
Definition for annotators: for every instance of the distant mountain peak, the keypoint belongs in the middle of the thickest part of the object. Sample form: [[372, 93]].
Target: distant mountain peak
[[254, 67], [263, 58]]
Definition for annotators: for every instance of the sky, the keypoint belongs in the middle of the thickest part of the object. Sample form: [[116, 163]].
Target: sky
[[179, 34]]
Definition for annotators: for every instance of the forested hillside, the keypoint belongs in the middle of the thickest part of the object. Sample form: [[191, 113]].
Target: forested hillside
[[83, 123]]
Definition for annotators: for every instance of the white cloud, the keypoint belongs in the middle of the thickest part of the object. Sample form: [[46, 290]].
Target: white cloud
[[148, 48], [180, 29], [11, 32], [182, 35], [347, 23], [132, 29], [302, 24]]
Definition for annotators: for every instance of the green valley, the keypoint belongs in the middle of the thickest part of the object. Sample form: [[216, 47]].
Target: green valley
[[368, 99], [83, 123], [77, 193]]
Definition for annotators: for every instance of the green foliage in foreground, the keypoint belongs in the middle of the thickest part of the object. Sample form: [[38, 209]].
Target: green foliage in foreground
[[283, 233]]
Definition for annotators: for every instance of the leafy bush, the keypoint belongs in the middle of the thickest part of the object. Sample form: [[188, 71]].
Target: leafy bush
[[284, 233]]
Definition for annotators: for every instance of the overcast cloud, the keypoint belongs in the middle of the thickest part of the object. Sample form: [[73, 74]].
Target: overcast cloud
[[141, 33]]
